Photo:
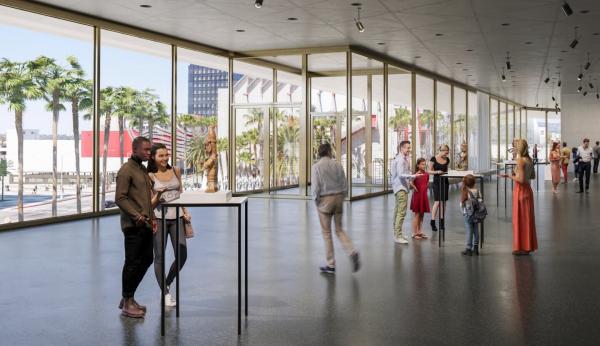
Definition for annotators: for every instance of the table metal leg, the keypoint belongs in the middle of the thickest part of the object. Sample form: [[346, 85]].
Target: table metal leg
[[439, 216], [162, 271], [483, 197], [239, 312], [497, 187], [537, 177], [246, 257], [505, 172], [176, 260]]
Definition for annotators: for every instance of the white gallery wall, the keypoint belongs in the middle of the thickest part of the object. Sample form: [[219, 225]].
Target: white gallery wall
[[580, 118]]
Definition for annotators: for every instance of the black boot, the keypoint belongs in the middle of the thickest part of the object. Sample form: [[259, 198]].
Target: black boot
[[476, 250], [433, 226], [467, 252], [442, 225]]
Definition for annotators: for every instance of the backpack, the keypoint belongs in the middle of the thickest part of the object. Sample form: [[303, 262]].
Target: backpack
[[475, 208]]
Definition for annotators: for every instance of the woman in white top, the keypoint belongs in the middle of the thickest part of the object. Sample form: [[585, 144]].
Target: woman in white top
[[166, 187]]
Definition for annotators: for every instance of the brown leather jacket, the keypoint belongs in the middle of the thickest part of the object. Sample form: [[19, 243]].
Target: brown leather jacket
[[133, 194]]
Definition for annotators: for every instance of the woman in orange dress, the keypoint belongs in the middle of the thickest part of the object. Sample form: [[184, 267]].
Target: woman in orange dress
[[555, 158], [524, 235]]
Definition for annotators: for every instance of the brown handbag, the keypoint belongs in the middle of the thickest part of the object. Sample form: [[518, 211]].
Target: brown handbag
[[189, 230]]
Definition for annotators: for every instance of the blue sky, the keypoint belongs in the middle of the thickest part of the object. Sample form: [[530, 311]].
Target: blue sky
[[120, 67]]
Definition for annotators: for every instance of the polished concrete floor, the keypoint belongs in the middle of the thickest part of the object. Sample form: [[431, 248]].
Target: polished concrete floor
[[61, 283]]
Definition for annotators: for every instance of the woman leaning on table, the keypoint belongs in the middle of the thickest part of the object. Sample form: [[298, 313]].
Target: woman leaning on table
[[524, 234], [166, 187], [437, 165]]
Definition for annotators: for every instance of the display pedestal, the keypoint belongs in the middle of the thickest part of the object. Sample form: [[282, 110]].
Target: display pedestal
[[205, 197]]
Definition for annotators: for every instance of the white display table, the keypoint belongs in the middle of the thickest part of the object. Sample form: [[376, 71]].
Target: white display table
[[201, 199]]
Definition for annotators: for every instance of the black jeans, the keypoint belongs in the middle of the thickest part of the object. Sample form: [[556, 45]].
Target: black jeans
[[584, 168], [596, 165], [138, 258], [159, 254]]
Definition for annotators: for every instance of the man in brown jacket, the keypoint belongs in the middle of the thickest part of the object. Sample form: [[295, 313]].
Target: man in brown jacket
[[133, 196]]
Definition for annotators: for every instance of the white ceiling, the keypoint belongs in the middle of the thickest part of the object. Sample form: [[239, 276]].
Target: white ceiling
[[407, 29]]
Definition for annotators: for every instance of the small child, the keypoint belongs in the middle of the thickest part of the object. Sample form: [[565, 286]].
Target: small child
[[420, 202], [472, 237]]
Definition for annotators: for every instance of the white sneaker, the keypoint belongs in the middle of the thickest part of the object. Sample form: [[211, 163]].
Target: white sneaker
[[169, 301], [574, 179], [401, 240]]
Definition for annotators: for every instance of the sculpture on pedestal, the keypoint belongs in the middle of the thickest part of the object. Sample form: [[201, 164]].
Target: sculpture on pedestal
[[463, 158], [210, 165]]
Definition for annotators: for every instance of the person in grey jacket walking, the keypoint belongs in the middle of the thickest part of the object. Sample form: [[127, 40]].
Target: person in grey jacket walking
[[329, 187]]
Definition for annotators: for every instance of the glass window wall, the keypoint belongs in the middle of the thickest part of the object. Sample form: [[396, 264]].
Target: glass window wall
[[473, 132], [503, 132], [424, 121], [494, 143], [536, 134], [400, 117], [443, 117], [459, 130]]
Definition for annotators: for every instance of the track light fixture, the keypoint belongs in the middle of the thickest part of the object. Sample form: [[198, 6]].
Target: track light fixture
[[359, 25], [553, 98], [579, 89], [591, 85], [508, 60], [537, 105], [559, 82], [547, 77], [567, 9], [580, 75], [574, 42], [588, 64], [503, 76], [598, 96], [258, 3], [585, 93]]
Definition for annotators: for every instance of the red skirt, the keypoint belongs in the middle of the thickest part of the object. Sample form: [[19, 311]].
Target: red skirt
[[420, 202], [524, 235]]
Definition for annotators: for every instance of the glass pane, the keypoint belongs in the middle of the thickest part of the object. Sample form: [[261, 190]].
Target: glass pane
[[328, 104], [285, 167], [399, 112], [511, 124], [473, 133], [503, 130], [424, 141], [536, 134], [135, 101], [203, 101], [444, 109], [47, 169], [461, 158], [554, 127], [249, 159], [494, 130]]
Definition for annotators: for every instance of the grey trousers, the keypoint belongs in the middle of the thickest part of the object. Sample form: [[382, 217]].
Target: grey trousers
[[159, 253]]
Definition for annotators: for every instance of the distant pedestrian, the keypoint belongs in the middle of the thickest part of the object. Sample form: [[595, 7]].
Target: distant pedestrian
[[401, 177], [585, 164], [596, 155], [566, 155], [420, 202]]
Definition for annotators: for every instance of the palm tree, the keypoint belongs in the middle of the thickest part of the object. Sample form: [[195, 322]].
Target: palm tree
[[108, 107], [51, 78], [144, 101], [125, 103], [400, 121], [16, 88], [79, 92], [223, 146], [157, 115], [196, 154]]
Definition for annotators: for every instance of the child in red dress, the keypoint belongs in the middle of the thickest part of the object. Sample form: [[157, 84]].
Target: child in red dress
[[420, 202]]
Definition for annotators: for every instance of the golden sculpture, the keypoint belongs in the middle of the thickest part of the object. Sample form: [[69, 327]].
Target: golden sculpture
[[210, 165], [463, 162]]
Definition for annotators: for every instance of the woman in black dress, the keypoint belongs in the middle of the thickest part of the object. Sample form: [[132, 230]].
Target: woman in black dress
[[439, 164]]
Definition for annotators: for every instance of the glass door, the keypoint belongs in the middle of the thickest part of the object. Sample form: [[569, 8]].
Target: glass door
[[284, 150], [249, 147]]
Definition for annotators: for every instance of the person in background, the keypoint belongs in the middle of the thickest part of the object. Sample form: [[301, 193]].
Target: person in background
[[555, 158], [576, 159], [472, 231], [329, 187], [133, 196], [401, 177], [420, 202], [438, 165], [167, 186], [585, 164], [565, 156], [596, 154], [534, 152], [523, 220]]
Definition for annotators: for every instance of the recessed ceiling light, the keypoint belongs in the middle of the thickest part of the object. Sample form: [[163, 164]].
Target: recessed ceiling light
[[145, 6], [292, 18], [356, 4], [417, 57], [584, 11], [241, 30], [563, 51], [381, 43], [469, 75], [459, 63], [469, 50], [465, 69], [596, 33], [528, 42], [505, 24], [439, 34]]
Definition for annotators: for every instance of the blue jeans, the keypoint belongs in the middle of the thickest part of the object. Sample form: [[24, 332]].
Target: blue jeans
[[472, 237]]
